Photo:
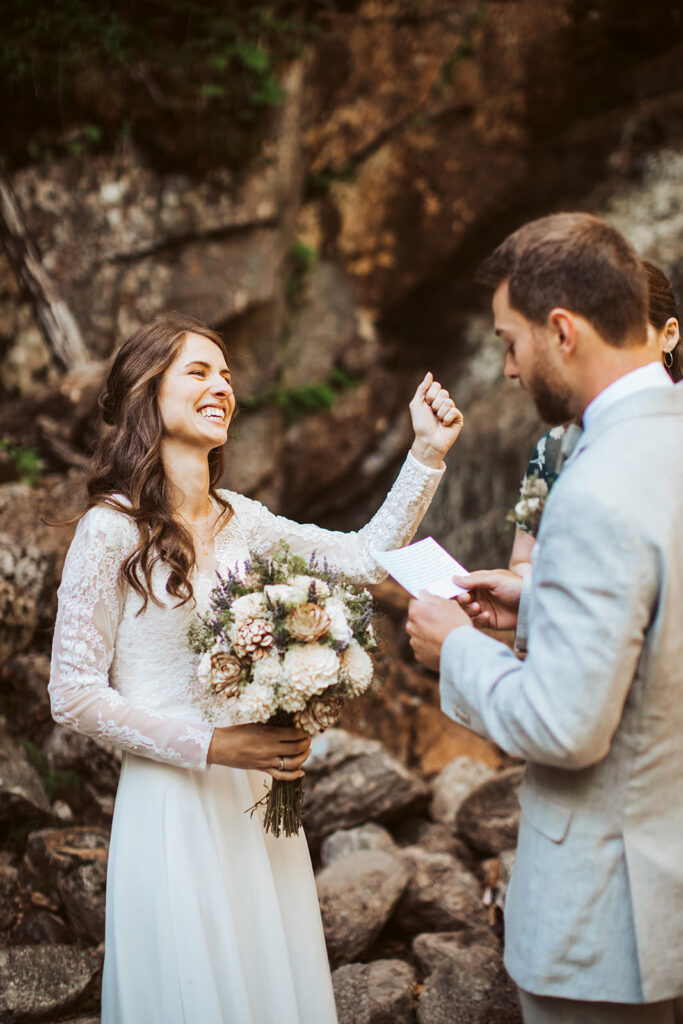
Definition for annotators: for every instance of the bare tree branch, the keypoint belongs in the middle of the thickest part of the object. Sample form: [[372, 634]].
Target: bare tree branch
[[52, 314]]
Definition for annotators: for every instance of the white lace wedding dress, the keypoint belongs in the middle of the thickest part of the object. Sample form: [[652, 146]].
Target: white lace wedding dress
[[209, 920]]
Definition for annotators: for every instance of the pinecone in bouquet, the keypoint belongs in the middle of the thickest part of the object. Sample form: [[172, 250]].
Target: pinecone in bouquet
[[285, 642]]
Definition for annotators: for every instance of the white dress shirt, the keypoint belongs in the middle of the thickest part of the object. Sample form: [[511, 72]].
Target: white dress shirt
[[652, 375]]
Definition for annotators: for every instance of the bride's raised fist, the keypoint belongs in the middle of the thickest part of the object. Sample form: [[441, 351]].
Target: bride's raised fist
[[437, 421]]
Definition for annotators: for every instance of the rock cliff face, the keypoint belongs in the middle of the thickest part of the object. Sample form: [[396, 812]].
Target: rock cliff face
[[340, 261]]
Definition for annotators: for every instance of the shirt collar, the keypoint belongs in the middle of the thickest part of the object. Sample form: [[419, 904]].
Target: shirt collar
[[652, 375]]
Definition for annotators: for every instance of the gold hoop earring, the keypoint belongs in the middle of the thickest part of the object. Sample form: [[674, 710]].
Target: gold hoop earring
[[668, 360]]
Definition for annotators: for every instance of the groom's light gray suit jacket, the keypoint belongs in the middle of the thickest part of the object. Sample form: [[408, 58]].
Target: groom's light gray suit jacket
[[595, 905]]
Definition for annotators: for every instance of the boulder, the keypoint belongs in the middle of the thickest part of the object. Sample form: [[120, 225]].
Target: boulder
[[467, 982], [357, 897], [433, 950], [74, 862], [31, 556], [431, 836], [21, 791], [27, 916], [441, 894], [453, 784], [345, 841], [352, 780], [45, 982], [70, 751], [380, 992], [9, 885], [488, 819]]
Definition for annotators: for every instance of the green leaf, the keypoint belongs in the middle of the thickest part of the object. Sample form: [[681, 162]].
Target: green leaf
[[253, 56], [93, 133], [212, 91], [270, 94]]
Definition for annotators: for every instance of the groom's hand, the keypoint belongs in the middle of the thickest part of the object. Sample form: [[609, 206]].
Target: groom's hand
[[492, 598], [430, 620]]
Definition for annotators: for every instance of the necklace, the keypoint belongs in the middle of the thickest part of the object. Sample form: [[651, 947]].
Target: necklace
[[206, 536]]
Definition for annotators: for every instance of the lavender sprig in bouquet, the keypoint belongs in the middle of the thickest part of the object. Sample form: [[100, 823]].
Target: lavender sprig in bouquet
[[285, 643]]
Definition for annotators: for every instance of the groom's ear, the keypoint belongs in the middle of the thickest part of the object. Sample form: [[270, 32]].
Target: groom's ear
[[563, 329]]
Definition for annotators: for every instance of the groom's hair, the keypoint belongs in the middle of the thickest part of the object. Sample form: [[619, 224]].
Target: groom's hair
[[577, 262]]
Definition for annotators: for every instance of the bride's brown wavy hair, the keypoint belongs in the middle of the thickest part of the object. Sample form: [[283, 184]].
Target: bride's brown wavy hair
[[127, 472]]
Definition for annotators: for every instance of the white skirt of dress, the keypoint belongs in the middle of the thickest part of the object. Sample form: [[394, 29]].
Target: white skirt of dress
[[209, 920]]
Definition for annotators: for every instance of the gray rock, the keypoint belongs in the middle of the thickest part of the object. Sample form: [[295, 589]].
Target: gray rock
[[469, 985], [380, 992], [23, 601], [488, 820], [27, 916], [351, 781], [21, 792], [357, 897], [321, 329], [365, 837], [31, 556], [453, 784], [70, 751], [74, 862], [434, 837], [9, 884], [433, 950], [441, 894], [45, 982]]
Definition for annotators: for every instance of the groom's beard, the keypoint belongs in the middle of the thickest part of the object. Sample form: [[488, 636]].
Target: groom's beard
[[552, 395]]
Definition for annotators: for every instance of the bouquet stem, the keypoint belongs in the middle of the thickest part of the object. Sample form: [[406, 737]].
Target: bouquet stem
[[284, 801], [284, 805]]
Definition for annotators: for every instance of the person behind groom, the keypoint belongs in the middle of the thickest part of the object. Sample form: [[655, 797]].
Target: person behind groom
[[594, 911]]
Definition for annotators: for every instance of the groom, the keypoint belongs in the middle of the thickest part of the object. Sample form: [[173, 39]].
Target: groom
[[594, 913]]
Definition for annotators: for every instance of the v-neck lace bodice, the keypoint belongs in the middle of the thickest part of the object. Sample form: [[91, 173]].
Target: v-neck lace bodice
[[128, 676]]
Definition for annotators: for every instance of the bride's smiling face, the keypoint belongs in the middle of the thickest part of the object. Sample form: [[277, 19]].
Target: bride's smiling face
[[195, 399]]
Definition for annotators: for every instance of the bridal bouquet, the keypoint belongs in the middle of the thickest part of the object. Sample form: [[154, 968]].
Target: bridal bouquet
[[284, 643]]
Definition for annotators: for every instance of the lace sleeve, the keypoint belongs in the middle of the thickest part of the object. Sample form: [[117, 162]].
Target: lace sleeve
[[90, 605], [351, 553]]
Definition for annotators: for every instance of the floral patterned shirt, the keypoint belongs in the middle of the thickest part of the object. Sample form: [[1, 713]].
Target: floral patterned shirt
[[541, 474]]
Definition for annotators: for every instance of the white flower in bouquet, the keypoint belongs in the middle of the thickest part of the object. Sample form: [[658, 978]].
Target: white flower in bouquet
[[535, 488], [355, 668], [341, 593], [249, 606], [339, 628], [310, 669], [527, 507], [268, 671], [284, 593], [204, 670], [303, 584], [256, 704]]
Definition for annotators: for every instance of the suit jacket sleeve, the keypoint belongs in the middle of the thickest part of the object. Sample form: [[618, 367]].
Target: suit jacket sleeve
[[595, 586]]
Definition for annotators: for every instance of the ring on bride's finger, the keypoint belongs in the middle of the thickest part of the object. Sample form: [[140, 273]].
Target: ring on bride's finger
[[282, 764]]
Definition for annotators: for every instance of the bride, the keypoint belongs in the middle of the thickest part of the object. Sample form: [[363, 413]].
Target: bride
[[209, 919]]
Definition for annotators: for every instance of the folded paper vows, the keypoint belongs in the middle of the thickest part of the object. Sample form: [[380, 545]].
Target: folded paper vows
[[423, 566]]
